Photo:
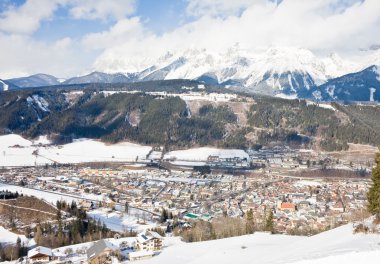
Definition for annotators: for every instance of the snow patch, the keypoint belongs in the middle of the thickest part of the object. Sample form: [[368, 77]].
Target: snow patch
[[317, 95], [321, 105], [41, 102], [286, 96], [8, 237], [5, 86], [50, 197], [376, 70], [330, 89], [291, 83], [201, 154], [120, 221], [371, 94]]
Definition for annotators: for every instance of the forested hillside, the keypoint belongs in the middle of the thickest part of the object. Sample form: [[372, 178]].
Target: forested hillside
[[167, 120], [333, 126]]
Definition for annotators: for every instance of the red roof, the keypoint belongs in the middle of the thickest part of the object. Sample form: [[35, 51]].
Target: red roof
[[287, 206]]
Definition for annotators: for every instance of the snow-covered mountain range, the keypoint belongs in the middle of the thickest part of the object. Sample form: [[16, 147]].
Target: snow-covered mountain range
[[283, 72]]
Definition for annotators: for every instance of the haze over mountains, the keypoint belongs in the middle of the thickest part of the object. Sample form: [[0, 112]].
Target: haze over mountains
[[282, 72]]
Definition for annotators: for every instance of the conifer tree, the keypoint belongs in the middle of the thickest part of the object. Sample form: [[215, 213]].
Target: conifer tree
[[126, 207], [269, 222], [250, 224], [373, 194], [38, 235], [164, 216]]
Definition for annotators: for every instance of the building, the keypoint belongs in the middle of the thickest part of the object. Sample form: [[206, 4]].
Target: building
[[151, 241], [287, 207], [100, 251], [40, 255]]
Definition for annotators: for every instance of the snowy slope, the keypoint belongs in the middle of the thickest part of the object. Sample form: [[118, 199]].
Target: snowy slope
[[8, 237], [50, 197], [16, 151], [274, 71], [330, 247]]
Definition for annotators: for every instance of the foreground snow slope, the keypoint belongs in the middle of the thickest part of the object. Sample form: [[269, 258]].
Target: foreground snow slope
[[336, 246]]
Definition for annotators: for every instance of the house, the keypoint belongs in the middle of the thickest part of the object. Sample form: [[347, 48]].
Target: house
[[151, 241], [287, 207], [100, 251], [40, 255]]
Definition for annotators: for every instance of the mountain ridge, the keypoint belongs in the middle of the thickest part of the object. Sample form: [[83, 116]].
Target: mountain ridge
[[282, 72]]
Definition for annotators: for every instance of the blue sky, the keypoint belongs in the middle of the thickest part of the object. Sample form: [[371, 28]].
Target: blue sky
[[71, 37], [159, 16]]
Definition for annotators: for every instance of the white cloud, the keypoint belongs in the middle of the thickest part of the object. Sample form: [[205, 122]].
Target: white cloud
[[116, 35], [21, 56], [101, 9], [218, 7], [319, 25], [316, 25], [26, 18]]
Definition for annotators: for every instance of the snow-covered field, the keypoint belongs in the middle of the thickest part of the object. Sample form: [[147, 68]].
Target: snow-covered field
[[201, 154], [8, 237], [336, 246], [17, 151], [120, 221], [50, 197]]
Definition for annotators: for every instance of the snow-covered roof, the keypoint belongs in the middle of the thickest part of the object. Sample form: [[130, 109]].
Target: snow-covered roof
[[99, 247], [40, 250], [155, 234]]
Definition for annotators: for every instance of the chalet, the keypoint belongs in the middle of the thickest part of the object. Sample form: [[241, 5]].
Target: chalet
[[100, 251], [40, 255], [151, 241]]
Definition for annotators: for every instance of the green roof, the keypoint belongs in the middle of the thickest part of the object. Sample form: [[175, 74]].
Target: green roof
[[191, 216]]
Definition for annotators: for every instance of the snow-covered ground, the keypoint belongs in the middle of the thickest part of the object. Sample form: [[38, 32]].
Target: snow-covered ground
[[201, 154], [308, 183], [339, 245], [321, 105], [336, 246], [8, 237], [50, 197], [120, 221], [17, 151]]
